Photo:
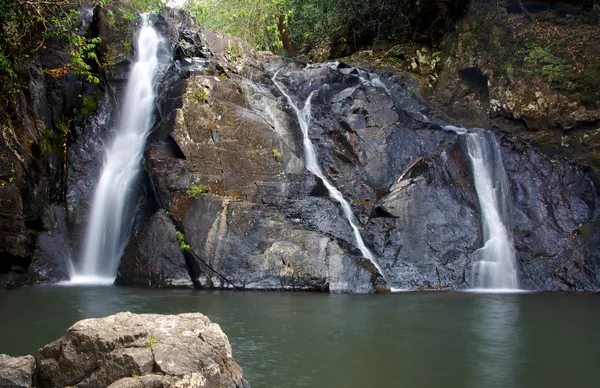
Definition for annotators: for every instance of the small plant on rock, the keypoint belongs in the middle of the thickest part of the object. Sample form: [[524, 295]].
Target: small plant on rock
[[195, 190], [182, 244], [276, 153], [199, 95], [151, 340]]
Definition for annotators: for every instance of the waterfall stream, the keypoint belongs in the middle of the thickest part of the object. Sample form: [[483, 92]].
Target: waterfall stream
[[312, 165], [110, 220], [495, 266]]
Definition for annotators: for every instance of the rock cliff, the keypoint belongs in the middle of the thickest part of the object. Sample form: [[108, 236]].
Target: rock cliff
[[226, 201]]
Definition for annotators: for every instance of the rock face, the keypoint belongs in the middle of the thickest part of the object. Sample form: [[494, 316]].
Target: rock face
[[226, 200], [230, 172], [159, 265], [146, 350], [536, 80], [16, 371]]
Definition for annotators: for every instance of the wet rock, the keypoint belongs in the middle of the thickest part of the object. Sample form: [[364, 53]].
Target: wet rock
[[230, 170], [153, 257], [163, 350], [554, 204], [538, 81], [16, 371], [113, 24], [51, 253]]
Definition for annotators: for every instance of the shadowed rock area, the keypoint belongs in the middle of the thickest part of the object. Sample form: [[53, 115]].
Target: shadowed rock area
[[131, 350]]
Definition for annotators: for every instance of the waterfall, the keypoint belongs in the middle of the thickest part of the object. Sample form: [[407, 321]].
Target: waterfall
[[312, 165], [110, 218], [495, 266]]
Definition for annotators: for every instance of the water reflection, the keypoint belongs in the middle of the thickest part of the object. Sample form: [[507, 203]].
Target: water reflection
[[496, 333]]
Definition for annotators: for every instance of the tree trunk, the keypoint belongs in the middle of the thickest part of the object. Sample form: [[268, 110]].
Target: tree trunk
[[524, 10], [284, 34]]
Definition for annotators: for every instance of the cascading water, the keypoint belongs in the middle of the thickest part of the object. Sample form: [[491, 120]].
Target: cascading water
[[109, 221], [495, 267], [312, 165]]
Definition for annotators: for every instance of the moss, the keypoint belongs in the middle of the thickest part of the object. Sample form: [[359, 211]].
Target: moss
[[199, 95], [421, 61], [52, 138], [509, 70], [86, 108], [128, 45], [196, 190]]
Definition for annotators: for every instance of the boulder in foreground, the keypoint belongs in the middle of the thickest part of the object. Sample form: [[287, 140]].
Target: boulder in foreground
[[16, 371], [140, 350]]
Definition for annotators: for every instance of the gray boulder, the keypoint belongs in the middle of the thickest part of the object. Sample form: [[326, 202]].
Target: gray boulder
[[145, 350], [16, 371]]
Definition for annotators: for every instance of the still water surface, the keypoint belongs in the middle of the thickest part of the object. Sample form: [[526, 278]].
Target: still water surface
[[420, 340]]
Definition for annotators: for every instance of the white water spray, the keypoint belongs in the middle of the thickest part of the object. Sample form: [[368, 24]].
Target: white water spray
[[495, 267], [312, 165], [109, 221]]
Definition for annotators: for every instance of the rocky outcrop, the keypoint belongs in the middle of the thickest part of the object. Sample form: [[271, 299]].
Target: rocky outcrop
[[16, 371], [131, 350], [230, 172]]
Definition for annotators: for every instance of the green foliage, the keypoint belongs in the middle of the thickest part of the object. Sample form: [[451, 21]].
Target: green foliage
[[130, 14], [151, 340], [253, 21], [26, 25], [552, 68], [309, 23], [148, 5], [199, 95], [66, 25], [509, 70], [276, 153], [195, 190], [8, 77], [87, 107], [223, 78], [182, 244], [134, 374]]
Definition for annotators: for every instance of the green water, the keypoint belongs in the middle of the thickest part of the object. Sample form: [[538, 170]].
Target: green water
[[437, 340]]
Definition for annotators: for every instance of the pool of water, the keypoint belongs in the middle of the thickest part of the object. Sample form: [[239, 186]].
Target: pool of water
[[422, 340]]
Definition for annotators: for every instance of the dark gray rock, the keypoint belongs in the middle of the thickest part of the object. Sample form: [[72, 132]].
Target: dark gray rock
[[555, 207], [263, 222], [51, 253], [153, 257]]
